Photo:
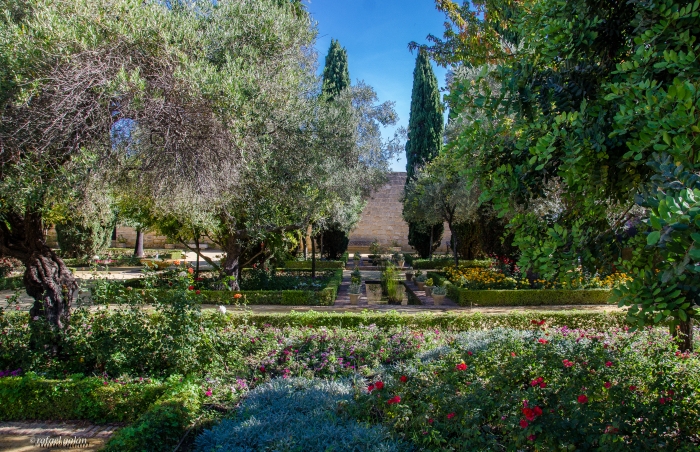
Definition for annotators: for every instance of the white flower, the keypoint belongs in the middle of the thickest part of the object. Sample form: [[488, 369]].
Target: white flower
[[182, 274], [36, 317], [96, 257], [222, 309]]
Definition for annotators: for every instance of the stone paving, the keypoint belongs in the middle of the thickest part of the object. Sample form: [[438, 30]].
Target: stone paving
[[27, 436]]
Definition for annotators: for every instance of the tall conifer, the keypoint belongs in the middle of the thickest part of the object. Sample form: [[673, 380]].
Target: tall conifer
[[425, 129], [336, 76]]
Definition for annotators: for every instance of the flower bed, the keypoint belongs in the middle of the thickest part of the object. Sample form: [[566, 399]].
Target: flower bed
[[320, 265]]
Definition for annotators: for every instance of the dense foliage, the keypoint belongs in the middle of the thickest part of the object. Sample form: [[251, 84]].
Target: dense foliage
[[571, 118]]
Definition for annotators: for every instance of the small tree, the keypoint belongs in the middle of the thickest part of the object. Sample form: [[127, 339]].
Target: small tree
[[441, 193]]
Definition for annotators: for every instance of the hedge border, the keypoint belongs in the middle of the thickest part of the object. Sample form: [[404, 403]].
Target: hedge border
[[31, 397], [162, 426], [454, 320], [12, 283], [320, 265], [439, 264], [523, 297]]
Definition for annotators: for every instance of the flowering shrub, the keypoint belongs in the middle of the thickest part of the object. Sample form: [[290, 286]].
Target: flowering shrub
[[9, 265], [548, 389], [500, 277]]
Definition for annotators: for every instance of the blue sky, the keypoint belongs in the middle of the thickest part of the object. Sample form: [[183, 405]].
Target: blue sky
[[376, 34]]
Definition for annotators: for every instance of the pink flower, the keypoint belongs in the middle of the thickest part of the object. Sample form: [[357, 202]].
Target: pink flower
[[430, 421], [531, 438], [582, 398], [512, 354], [461, 366], [208, 393], [633, 388], [607, 385], [523, 423], [394, 400], [567, 363], [450, 415], [543, 341], [608, 364], [470, 353]]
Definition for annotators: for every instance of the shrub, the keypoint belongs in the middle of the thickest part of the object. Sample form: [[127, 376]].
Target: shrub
[[8, 265], [437, 264], [87, 235], [161, 427], [544, 389], [14, 282], [296, 414], [335, 242], [532, 297], [32, 397], [320, 265]]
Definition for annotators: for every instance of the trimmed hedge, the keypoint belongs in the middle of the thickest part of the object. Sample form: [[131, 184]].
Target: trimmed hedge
[[11, 283], [525, 297], [31, 397], [438, 264], [448, 320], [320, 265], [164, 424]]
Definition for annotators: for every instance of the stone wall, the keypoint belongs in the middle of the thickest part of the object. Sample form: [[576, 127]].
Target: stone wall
[[382, 220]]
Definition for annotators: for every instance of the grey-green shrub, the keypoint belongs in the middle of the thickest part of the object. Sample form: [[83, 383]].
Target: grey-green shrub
[[297, 414]]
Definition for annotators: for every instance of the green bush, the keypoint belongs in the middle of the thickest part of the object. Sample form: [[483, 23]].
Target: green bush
[[14, 282], [320, 265], [335, 242], [532, 297], [438, 264], [32, 397], [163, 425]]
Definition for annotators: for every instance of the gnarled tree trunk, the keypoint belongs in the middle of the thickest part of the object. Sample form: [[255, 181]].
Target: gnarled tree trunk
[[232, 265], [47, 278]]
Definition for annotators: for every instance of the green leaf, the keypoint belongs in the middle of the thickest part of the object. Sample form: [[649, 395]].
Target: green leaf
[[653, 238]]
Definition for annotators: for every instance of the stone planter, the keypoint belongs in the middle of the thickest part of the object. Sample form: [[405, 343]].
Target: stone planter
[[400, 264], [438, 299], [354, 298], [420, 284], [374, 292], [409, 276], [428, 290]]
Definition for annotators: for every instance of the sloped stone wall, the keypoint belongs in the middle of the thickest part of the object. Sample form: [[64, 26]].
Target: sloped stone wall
[[382, 220]]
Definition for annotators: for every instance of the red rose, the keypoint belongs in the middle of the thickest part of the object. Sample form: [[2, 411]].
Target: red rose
[[538, 411], [523, 423], [379, 385], [393, 400], [470, 353], [370, 388], [430, 421], [403, 378], [531, 438], [607, 385], [461, 366], [198, 292], [512, 354], [529, 414], [543, 341], [633, 388], [191, 288], [450, 415], [582, 398], [608, 364]]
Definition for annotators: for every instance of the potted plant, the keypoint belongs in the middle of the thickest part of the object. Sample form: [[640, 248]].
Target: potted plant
[[409, 274], [374, 292], [428, 286], [355, 290], [357, 259], [355, 276], [395, 246], [439, 293], [420, 281]]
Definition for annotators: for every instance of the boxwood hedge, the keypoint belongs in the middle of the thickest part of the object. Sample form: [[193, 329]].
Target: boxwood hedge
[[438, 264]]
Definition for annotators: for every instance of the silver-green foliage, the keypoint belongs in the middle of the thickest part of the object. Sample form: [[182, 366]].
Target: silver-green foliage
[[296, 414]]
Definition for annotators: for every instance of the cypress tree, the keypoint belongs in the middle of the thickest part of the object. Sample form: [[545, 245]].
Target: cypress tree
[[425, 125], [336, 76], [425, 129]]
